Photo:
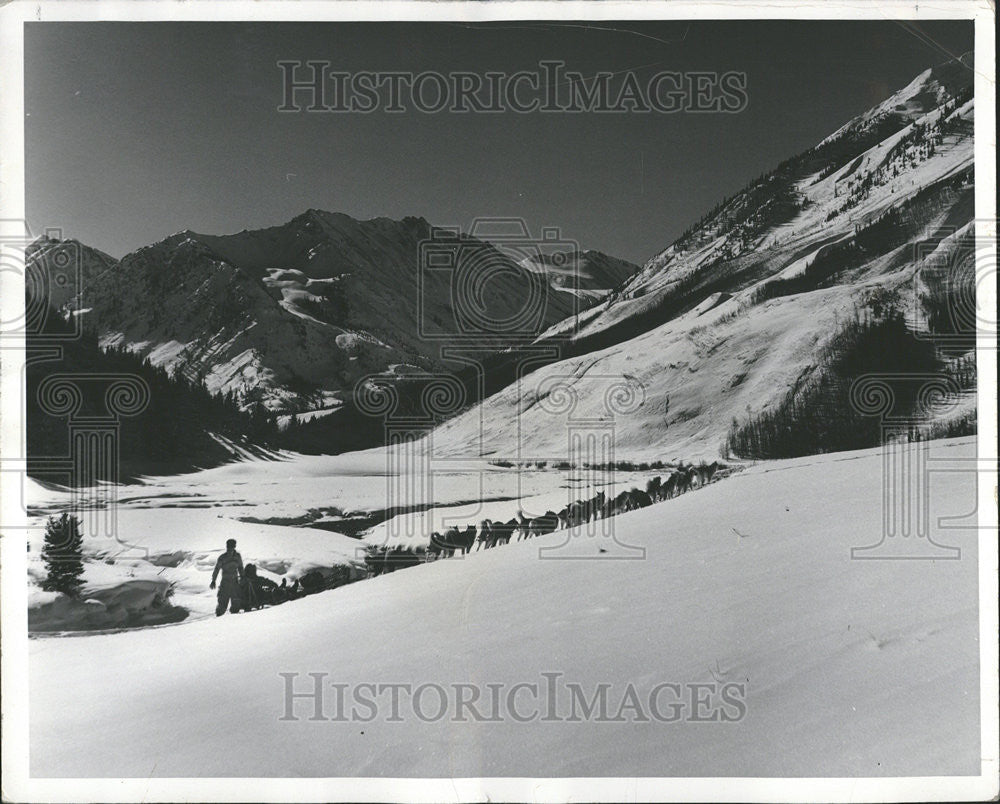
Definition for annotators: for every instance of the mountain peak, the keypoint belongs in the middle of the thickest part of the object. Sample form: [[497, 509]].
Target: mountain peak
[[301, 310]]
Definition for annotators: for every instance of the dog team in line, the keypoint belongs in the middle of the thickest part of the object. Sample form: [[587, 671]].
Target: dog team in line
[[246, 590], [493, 534]]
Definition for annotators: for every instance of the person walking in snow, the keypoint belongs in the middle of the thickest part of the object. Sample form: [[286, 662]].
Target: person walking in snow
[[230, 564]]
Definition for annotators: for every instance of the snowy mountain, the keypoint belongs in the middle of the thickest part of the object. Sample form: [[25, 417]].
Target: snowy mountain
[[293, 315], [721, 325], [589, 274], [734, 315], [868, 165], [58, 269]]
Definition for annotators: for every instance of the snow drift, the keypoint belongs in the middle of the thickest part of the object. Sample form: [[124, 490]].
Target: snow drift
[[866, 668]]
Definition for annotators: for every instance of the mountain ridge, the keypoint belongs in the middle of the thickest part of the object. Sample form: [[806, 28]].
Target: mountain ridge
[[736, 312], [292, 315]]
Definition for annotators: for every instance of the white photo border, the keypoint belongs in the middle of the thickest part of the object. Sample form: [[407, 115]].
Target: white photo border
[[17, 783]]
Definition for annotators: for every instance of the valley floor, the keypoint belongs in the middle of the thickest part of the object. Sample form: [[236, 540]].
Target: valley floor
[[841, 666]]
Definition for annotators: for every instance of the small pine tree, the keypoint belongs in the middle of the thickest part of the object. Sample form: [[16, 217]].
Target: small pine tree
[[63, 555]]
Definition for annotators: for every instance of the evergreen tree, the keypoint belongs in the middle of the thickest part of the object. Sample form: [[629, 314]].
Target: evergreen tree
[[174, 432], [63, 555]]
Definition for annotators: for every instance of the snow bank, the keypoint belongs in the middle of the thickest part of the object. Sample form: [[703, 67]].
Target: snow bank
[[850, 667], [130, 604]]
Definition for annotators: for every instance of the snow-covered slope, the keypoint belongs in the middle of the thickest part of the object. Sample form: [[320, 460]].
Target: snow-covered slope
[[700, 328], [848, 668], [828, 190], [929, 89]]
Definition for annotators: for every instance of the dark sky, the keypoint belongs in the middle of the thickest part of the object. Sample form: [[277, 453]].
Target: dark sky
[[138, 130]]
